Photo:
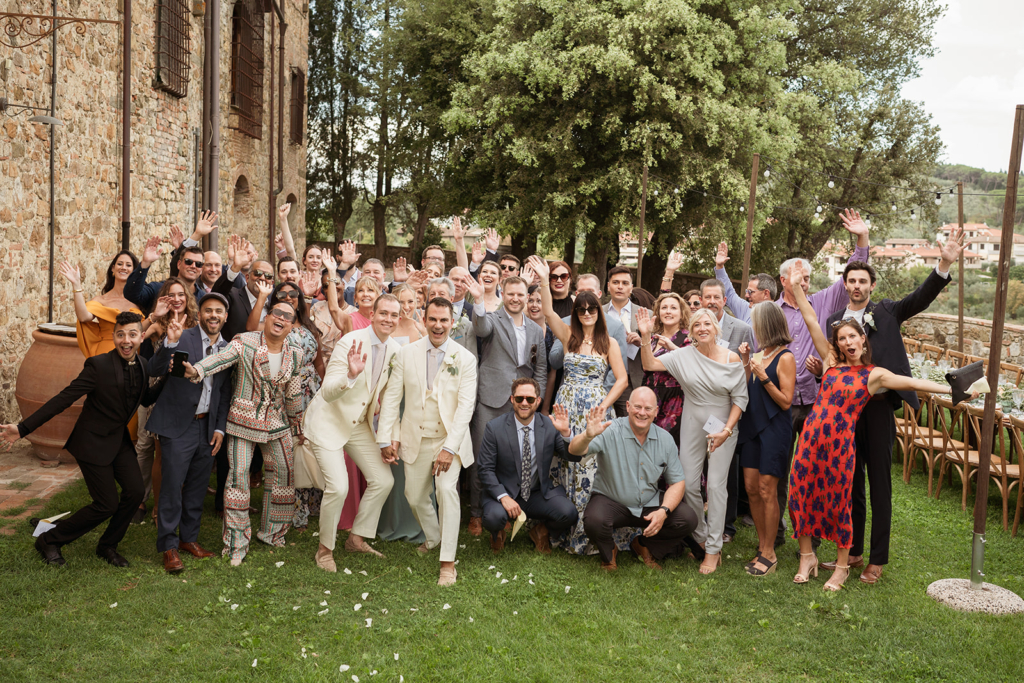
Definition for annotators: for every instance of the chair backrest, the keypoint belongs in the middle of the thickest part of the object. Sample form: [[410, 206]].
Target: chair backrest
[[911, 345], [1011, 372], [956, 357], [975, 416], [1017, 438], [933, 353], [974, 359]]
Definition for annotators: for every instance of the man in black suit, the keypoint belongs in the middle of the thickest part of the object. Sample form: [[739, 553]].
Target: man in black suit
[[241, 299], [190, 420], [514, 462], [114, 384], [876, 427]]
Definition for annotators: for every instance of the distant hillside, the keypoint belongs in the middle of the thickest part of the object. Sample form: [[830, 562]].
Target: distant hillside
[[987, 209]]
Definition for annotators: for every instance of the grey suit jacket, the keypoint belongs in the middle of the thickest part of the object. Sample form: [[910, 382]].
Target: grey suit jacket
[[499, 357], [556, 359], [735, 332], [462, 332], [635, 367]]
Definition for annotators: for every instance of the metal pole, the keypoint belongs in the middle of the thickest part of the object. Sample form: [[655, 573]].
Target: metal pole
[[640, 242], [960, 272], [53, 133], [271, 203], [126, 128], [995, 355], [750, 219]]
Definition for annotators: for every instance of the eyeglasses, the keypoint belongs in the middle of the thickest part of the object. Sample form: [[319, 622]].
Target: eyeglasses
[[750, 291], [286, 294], [844, 321], [562, 276], [287, 316], [262, 275], [510, 269], [587, 310], [190, 262], [524, 399]]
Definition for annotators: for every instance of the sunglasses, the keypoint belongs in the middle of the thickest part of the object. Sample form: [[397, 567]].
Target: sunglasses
[[844, 321], [284, 315], [286, 294], [190, 262], [587, 310], [262, 275], [510, 269], [562, 277], [524, 399]]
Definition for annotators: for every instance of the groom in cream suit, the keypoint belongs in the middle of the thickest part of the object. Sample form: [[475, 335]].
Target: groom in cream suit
[[341, 417], [437, 378]]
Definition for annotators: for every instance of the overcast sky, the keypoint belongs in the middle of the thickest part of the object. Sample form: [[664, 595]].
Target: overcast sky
[[974, 82]]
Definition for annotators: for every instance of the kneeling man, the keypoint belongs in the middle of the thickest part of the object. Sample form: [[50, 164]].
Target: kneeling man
[[514, 461], [632, 455]]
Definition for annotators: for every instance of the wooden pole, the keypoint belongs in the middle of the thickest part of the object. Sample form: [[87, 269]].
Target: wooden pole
[[995, 354], [640, 243], [960, 272], [750, 219]]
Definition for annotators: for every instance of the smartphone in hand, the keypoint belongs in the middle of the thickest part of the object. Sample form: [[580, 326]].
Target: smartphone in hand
[[178, 363]]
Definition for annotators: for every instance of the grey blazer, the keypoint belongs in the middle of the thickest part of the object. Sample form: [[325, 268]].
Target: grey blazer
[[499, 357], [635, 367], [735, 332], [556, 359]]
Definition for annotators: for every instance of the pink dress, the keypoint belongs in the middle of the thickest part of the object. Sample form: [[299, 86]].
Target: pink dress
[[356, 481]]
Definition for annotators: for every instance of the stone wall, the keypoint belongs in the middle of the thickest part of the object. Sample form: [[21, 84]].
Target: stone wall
[[87, 179], [941, 330]]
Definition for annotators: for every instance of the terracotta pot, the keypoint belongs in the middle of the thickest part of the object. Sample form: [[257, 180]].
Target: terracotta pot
[[50, 364]]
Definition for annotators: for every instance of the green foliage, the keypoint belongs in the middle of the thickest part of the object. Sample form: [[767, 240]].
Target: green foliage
[[431, 235], [1017, 273]]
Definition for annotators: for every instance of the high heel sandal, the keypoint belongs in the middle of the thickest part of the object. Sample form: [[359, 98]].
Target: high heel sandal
[[829, 586], [813, 571]]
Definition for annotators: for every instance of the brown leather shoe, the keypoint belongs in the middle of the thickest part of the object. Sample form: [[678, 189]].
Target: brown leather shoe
[[498, 541], [195, 550], [324, 559], [644, 554], [476, 526], [172, 562], [611, 566], [852, 562], [541, 539], [871, 574]]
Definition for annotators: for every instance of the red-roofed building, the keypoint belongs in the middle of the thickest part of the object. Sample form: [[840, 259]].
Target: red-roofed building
[[985, 241]]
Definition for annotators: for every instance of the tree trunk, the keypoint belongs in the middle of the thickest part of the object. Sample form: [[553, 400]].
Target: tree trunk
[[601, 243], [569, 251], [524, 244]]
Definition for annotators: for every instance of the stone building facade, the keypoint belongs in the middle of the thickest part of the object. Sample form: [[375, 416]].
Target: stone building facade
[[165, 130]]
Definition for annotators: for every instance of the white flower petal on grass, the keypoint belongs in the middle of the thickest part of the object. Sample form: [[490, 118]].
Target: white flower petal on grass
[[316, 533], [463, 546], [295, 608], [515, 577], [504, 581], [530, 576], [323, 611], [303, 649], [396, 656], [567, 589], [446, 606], [248, 585], [532, 583], [369, 623], [498, 575], [343, 668], [113, 606], [363, 572], [471, 620], [347, 570], [365, 595], [234, 607], [401, 678], [254, 663], [323, 603], [327, 592], [490, 568], [357, 607], [456, 561], [279, 564], [373, 673], [383, 611], [413, 609], [515, 614], [409, 569], [355, 678]]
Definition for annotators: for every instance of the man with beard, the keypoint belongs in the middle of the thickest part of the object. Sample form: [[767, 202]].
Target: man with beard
[[114, 385], [190, 420], [734, 330]]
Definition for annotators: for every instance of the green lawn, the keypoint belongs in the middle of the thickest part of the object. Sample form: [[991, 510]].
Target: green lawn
[[573, 623]]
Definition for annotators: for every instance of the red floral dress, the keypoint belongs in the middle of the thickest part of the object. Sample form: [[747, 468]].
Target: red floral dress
[[667, 390], [821, 480]]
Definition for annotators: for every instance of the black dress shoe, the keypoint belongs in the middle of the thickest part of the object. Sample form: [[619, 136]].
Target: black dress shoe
[[112, 556], [51, 553], [140, 516]]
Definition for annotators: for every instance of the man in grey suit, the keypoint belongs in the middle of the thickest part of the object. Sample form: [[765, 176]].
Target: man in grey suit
[[620, 287], [734, 330], [588, 282], [511, 346]]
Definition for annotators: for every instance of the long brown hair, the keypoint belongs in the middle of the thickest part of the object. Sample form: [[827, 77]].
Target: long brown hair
[[601, 343], [684, 312], [191, 309], [865, 357]]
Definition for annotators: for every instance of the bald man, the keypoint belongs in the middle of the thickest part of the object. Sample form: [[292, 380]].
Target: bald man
[[212, 270]]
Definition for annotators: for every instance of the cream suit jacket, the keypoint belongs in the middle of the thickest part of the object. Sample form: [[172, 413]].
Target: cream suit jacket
[[337, 408], [455, 387]]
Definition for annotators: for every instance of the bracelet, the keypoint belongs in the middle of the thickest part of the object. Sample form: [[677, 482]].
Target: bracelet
[[766, 381], [728, 430], [77, 291]]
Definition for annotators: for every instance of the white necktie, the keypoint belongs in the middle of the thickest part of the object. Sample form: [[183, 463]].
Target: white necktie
[[432, 355], [625, 318], [378, 364]]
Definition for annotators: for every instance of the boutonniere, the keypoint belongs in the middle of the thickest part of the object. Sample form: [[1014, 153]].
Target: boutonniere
[[869, 321], [391, 365], [453, 369]]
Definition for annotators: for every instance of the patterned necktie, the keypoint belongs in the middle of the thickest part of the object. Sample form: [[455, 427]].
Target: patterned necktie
[[527, 478], [431, 367]]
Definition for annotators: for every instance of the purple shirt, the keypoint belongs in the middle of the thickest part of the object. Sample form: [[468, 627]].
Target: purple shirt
[[825, 303]]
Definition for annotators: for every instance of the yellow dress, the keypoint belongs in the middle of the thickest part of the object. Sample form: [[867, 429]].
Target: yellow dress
[[98, 337]]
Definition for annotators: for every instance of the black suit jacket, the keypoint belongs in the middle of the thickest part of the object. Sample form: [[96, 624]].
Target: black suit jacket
[[239, 309], [887, 350], [500, 463], [103, 424]]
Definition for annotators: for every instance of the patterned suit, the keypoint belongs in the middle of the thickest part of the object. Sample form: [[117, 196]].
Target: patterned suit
[[264, 410]]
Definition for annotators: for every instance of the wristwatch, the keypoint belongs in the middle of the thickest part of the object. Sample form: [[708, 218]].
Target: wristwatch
[[667, 511]]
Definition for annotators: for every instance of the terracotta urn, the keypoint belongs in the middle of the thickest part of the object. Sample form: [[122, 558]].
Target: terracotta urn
[[50, 364]]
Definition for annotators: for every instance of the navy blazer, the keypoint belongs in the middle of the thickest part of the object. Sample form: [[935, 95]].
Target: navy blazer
[[176, 407], [885, 336], [500, 463], [239, 306]]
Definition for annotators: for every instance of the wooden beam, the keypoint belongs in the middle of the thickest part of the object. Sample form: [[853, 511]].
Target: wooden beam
[[960, 274], [751, 206]]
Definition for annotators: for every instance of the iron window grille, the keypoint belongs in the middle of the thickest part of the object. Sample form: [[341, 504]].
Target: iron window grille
[[173, 47], [247, 67]]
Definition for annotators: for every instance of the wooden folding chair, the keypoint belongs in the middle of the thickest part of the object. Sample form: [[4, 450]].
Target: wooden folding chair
[[933, 353], [956, 452], [927, 439], [1011, 372], [1009, 473], [956, 357], [974, 359], [911, 345]]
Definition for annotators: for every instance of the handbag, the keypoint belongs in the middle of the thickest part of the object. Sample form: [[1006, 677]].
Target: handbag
[[307, 470], [960, 380]]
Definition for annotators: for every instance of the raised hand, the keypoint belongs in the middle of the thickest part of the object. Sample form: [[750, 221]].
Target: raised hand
[[401, 271], [356, 360], [244, 253], [309, 283], [675, 261], [264, 289], [151, 252], [163, 305], [458, 232], [329, 263], [560, 419], [176, 236], [72, 274], [529, 276], [721, 256], [279, 242], [477, 256], [950, 251], [174, 329], [348, 257], [283, 211], [596, 424], [418, 278], [233, 242], [9, 433], [539, 266], [491, 240], [205, 225], [474, 287], [644, 322], [852, 222]]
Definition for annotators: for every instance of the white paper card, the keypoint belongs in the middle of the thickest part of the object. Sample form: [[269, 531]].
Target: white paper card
[[43, 527], [713, 425], [981, 386], [631, 351], [757, 357]]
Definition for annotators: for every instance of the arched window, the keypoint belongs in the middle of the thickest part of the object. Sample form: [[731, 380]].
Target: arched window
[[242, 185], [247, 67]]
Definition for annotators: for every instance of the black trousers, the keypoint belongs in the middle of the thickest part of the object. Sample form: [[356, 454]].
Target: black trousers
[[185, 473], [798, 415], [557, 512], [874, 438], [102, 481], [603, 516]]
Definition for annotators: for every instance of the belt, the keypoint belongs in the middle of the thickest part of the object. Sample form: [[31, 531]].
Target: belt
[[201, 416]]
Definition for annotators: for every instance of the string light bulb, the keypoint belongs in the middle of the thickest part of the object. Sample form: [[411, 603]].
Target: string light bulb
[[893, 207], [831, 183], [743, 207], [817, 209], [938, 199], [867, 221], [767, 172], [913, 215]]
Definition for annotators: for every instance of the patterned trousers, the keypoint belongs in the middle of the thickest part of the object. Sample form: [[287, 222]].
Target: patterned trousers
[[278, 494]]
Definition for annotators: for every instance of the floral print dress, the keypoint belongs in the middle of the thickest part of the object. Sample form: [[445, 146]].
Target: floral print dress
[[307, 501], [667, 389]]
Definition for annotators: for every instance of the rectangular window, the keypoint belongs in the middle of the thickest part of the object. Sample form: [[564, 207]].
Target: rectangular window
[[172, 47], [298, 106], [247, 67]]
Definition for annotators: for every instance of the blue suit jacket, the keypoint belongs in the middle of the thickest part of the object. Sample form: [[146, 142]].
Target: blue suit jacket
[[176, 407], [500, 463], [143, 294]]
